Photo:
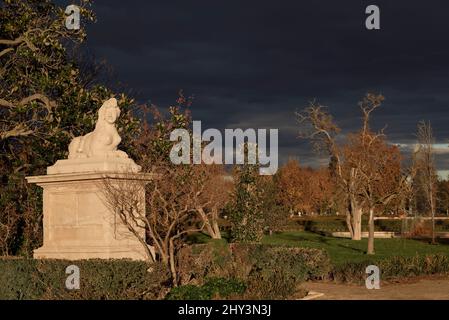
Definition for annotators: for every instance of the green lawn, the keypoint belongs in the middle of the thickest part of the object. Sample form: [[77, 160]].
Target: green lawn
[[346, 250]]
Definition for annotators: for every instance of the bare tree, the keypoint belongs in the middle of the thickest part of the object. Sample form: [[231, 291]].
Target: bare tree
[[379, 166], [179, 200], [426, 167], [123, 194], [166, 216], [376, 163], [366, 170], [319, 127], [211, 195]]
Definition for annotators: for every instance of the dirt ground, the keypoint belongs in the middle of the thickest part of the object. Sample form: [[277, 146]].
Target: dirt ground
[[413, 289]]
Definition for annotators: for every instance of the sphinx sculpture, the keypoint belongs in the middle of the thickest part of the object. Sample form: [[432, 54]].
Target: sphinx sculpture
[[97, 150], [103, 141], [78, 222]]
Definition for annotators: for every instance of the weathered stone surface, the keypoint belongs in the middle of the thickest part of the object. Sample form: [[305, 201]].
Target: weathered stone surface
[[96, 164], [78, 224]]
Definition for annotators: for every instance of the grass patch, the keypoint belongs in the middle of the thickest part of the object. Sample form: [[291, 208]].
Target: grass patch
[[343, 250]]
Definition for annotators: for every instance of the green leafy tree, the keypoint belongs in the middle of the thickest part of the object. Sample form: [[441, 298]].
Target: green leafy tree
[[47, 96], [246, 210]]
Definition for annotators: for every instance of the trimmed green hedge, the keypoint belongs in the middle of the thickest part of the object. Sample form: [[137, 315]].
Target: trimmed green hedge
[[320, 224], [268, 272], [99, 279], [212, 288], [327, 224], [393, 268], [208, 271]]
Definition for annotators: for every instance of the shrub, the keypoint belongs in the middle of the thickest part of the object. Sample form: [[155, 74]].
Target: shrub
[[420, 228], [271, 285], [388, 225], [99, 279], [274, 272], [269, 272], [393, 268], [199, 261], [326, 224], [302, 263], [212, 270], [188, 292], [212, 288]]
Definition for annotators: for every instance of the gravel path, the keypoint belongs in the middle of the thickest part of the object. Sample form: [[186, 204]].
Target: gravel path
[[417, 289]]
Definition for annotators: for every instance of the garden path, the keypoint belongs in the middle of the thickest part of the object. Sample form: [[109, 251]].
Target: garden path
[[412, 289]]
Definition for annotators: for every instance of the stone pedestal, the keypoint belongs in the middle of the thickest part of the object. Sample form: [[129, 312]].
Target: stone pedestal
[[78, 223]]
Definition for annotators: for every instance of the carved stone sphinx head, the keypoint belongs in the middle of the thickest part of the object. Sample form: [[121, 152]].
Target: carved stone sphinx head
[[109, 111]]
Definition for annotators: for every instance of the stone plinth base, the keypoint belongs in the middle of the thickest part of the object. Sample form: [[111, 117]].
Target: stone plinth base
[[99, 164], [78, 222]]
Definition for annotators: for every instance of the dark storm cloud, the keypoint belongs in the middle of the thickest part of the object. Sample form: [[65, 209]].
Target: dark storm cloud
[[253, 63]]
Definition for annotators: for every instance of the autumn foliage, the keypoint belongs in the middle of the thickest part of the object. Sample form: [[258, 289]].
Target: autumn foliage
[[304, 190]]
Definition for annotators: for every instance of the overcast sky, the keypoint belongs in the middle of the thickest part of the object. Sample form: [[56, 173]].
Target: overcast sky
[[252, 63]]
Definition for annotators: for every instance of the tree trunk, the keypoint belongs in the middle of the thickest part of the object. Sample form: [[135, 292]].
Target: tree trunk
[[357, 224], [164, 254], [410, 209], [371, 232], [432, 208], [212, 229], [216, 230], [349, 224], [215, 226], [173, 263], [355, 210]]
